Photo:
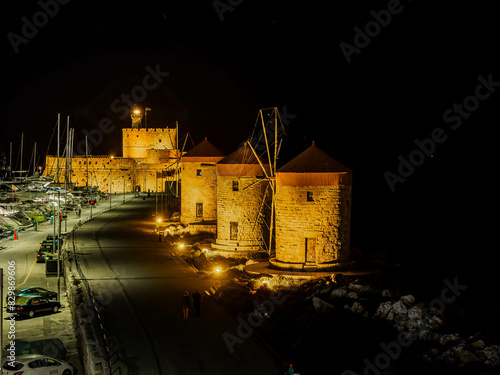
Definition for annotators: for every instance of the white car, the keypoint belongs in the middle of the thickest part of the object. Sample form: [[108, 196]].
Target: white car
[[36, 364]]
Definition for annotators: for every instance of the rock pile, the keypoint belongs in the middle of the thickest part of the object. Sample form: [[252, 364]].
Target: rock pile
[[419, 324]]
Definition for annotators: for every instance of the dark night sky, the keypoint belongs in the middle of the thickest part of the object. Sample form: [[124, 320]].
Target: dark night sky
[[286, 54]]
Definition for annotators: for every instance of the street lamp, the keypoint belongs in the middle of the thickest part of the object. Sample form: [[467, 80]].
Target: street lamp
[[109, 193], [123, 184]]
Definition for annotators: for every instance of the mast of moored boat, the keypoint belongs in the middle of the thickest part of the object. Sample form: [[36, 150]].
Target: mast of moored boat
[[34, 159], [10, 162], [21, 169]]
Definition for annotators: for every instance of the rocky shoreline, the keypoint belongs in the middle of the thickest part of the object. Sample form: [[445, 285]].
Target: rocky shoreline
[[353, 325]]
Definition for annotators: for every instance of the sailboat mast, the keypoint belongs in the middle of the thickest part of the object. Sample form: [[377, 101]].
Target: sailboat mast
[[34, 158], [71, 159], [67, 155], [10, 162], [21, 169], [87, 160], [58, 126]]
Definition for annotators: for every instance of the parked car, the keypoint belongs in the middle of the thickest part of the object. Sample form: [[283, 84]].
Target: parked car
[[46, 244], [44, 254], [50, 237], [31, 305], [36, 364], [36, 291]]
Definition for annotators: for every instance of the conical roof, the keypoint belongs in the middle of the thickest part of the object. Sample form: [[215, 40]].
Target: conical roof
[[313, 167], [313, 160], [243, 155], [203, 152], [204, 149], [241, 162]]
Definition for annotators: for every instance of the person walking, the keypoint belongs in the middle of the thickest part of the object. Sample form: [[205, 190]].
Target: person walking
[[185, 304], [197, 304]]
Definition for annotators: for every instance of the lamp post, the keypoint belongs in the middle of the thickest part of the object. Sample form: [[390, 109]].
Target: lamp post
[[109, 194], [123, 184]]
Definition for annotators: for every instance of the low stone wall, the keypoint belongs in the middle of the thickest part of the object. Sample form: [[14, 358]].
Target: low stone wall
[[93, 360]]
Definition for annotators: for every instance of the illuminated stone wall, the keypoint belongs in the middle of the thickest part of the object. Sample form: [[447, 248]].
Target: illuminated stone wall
[[199, 185], [325, 219], [103, 169], [137, 142], [242, 207]]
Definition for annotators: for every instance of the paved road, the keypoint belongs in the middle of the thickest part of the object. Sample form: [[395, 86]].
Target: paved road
[[140, 285]]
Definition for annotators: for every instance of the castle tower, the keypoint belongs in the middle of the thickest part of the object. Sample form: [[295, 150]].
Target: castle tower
[[152, 145], [313, 213], [199, 184], [240, 193], [136, 115]]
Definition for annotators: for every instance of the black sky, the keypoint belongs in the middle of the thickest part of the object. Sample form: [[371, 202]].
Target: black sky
[[286, 54]]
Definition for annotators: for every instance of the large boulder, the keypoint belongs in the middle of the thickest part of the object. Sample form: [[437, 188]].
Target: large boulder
[[415, 313], [464, 355], [491, 354], [357, 308], [408, 300], [399, 308], [358, 288], [352, 295], [321, 306], [386, 293], [449, 338], [384, 309], [337, 293]]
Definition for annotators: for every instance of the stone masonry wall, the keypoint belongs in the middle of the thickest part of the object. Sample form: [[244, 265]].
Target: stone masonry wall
[[137, 142], [102, 168], [326, 219], [243, 207], [198, 189]]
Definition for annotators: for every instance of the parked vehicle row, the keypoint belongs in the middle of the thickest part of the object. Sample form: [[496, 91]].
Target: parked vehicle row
[[46, 250], [40, 357]]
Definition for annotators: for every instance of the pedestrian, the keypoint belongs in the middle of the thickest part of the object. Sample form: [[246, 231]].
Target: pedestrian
[[197, 304], [185, 304], [290, 370]]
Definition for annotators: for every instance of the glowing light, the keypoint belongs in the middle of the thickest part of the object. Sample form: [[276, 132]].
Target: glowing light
[[181, 245], [159, 220], [217, 270]]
